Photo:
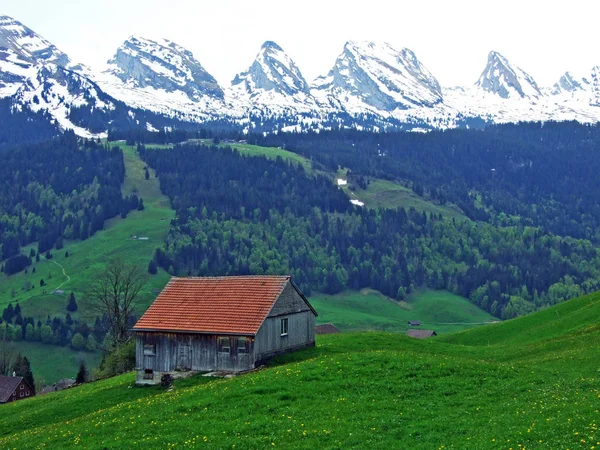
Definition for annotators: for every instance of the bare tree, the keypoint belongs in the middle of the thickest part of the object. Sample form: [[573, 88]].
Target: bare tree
[[113, 294], [7, 354]]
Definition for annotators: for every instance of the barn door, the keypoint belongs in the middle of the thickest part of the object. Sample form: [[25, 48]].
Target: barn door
[[184, 356]]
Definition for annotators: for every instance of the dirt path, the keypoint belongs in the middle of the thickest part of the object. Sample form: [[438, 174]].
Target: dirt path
[[64, 274]]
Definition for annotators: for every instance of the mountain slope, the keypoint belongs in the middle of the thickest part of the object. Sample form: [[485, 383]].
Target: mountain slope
[[353, 390], [61, 92]]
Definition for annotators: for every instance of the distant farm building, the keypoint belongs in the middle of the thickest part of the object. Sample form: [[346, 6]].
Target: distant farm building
[[326, 328], [13, 389], [414, 323], [421, 334], [225, 324], [60, 385]]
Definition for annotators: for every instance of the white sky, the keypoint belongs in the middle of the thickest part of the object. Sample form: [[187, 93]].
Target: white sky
[[451, 38]]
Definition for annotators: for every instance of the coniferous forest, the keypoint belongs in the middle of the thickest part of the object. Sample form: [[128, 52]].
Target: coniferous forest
[[529, 238], [56, 190]]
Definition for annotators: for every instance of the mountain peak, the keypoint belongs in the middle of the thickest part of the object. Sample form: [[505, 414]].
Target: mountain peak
[[272, 70], [271, 45], [28, 45], [379, 77], [162, 64], [500, 77]]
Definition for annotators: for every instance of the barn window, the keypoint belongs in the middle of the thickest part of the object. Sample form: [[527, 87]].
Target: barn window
[[21, 394], [22, 386], [242, 346], [148, 374], [149, 349], [27, 394], [224, 345], [284, 327]]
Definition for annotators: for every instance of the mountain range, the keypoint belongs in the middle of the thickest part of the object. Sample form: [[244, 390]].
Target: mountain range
[[371, 85]]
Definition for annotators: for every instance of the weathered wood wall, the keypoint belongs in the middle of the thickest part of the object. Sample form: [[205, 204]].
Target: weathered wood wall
[[180, 351], [301, 326]]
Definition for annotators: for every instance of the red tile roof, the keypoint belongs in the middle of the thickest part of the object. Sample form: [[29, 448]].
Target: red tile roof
[[229, 305]]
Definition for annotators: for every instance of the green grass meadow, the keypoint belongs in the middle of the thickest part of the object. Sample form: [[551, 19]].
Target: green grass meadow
[[519, 389], [50, 363], [369, 310]]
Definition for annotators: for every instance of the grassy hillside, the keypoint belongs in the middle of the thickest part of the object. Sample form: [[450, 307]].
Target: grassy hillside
[[85, 260], [363, 390], [388, 194], [50, 363], [268, 152], [369, 310]]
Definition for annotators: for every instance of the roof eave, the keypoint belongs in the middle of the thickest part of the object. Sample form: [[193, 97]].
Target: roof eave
[[163, 330]]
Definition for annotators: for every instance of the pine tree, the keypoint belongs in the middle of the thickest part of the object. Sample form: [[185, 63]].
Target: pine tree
[[82, 374], [152, 269], [22, 368], [147, 174], [140, 206], [72, 304]]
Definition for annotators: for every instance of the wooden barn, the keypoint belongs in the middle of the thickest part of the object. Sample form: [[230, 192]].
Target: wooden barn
[[421, 334], [227, 324], [13, 389]]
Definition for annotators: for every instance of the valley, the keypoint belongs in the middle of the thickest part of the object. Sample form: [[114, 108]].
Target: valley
[[448, 230], [351, 311]]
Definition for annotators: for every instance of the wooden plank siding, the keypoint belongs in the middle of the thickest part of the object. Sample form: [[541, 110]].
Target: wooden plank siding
[[162, 352]]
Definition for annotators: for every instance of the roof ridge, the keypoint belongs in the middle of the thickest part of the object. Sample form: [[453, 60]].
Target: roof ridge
[[230, 277]]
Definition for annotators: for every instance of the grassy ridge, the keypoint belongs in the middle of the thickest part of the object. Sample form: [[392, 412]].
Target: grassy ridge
[[363, 390], [369, 310]]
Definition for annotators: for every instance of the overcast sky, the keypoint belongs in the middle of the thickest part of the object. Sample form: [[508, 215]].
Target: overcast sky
[[451, 38]]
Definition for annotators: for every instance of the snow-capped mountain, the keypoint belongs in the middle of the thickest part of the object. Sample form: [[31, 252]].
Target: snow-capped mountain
[[595, 100], [272, 81], [154, 83], [28, 45], [162, 65], [163, 77], [21, 49], [570, 83], [500, 77], [375, 77], [505, 93]]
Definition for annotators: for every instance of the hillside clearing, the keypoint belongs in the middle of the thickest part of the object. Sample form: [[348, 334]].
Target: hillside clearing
[[388, 194]]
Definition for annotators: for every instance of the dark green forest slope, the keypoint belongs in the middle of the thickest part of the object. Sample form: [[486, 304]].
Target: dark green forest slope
[[238, 215]]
